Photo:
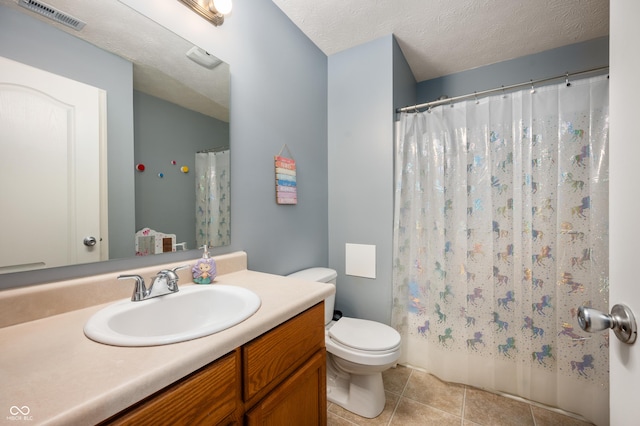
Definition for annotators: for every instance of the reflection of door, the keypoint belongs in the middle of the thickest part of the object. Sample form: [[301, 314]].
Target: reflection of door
[[50, 171], [624, 204]]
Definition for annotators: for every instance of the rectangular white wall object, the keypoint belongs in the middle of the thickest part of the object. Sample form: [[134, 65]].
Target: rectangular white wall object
[[360, 260]]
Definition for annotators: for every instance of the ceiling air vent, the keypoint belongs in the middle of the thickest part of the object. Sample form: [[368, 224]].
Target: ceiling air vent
[[52, 13]]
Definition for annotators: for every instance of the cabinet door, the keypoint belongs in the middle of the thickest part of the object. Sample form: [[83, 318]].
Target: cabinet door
[[270, 358], [300, 400], [207, 397]]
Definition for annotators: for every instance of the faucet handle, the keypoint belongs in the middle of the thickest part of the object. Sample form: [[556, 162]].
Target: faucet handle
[[140, 290], [172, 272], [172, 277]]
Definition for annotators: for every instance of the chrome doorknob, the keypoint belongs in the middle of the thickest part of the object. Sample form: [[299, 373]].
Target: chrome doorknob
[[621, 320], [89, 241]]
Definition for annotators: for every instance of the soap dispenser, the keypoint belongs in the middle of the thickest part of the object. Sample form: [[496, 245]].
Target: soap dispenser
[[204, 271]]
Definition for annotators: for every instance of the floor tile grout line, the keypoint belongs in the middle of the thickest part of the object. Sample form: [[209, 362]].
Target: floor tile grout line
[[433, 407], [400, 398], [464, 405], [393, 413], [345, 419], [406, 384]]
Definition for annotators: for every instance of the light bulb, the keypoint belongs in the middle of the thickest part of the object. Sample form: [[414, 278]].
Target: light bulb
[[222, 6]]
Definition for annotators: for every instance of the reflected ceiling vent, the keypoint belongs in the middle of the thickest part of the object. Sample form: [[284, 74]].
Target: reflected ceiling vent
[[52, 13], [202, 57]]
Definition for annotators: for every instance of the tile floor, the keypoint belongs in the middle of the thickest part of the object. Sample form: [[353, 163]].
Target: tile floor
[[418, 398]]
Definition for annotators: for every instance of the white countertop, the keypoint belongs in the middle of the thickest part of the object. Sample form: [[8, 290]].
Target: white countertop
[[64, 378]]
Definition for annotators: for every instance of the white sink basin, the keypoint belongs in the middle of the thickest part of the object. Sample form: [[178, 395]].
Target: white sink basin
[[194, 311]]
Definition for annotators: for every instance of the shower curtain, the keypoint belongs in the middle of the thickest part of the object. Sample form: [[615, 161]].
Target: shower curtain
[[500, 234], [213, 208]]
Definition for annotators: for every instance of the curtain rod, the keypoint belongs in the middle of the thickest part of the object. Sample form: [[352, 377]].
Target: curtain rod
[[566, 76]]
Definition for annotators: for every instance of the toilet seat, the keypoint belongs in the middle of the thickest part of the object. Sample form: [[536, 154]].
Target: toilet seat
[[382, 341], [334, 344], [364, 335]]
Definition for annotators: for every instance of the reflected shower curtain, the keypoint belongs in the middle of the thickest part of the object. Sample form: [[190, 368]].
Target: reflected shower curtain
[[500, 234], [213, 208]]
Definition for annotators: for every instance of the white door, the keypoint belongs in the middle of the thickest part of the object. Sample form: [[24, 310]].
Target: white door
[[50, 150], [624, 203]]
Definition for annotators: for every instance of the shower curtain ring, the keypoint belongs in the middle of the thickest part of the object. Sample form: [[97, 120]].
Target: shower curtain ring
[[504, 95], [566, 79], [533, 89], [475, 95]]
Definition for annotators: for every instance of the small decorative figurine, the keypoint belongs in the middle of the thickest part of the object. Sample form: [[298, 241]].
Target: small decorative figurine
[[204, 271]]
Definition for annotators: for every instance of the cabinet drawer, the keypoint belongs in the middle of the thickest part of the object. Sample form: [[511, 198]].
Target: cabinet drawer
[[268, 359], [207, 397]]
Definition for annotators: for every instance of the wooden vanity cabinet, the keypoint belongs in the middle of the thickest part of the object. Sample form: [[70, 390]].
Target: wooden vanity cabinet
[[208, 396], [284, 373], [279, 378], [300, 400]]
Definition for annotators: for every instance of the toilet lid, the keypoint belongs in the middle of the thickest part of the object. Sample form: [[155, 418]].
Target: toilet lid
[[364, 334]]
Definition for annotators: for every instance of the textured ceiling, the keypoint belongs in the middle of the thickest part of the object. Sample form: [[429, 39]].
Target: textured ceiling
[[440, 37], [161, 67]]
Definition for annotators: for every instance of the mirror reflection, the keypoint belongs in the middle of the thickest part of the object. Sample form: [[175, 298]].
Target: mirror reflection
[[163, 168]]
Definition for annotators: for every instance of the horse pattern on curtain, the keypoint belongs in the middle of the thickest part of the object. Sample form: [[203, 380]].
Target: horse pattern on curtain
[[500, 234], [213, 205]]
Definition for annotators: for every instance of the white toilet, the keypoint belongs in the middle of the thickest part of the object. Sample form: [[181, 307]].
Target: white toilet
[[358, 351]]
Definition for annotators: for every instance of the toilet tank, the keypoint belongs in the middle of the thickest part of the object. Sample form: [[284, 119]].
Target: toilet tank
[[320, 275]]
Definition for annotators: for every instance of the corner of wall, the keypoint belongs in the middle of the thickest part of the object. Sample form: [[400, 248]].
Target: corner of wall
[[360, 150]]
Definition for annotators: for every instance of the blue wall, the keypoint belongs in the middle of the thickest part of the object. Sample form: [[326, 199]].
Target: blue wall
[[360, 146], [283, 89], [365, 83], [572, 58], [165, 132], [278, 96]]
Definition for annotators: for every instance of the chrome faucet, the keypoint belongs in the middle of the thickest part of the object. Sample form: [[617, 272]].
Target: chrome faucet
[[165, 282]]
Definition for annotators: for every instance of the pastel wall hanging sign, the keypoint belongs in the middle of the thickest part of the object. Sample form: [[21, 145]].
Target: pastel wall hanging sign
[[286, 183]]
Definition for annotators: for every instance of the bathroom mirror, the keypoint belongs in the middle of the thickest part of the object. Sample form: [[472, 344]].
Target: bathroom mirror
[[163, 78]]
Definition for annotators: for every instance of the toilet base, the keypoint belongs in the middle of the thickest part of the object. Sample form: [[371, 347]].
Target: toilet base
[[361, 394]]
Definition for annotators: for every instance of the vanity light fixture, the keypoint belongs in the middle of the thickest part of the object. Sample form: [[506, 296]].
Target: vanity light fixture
[[211, 10]]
